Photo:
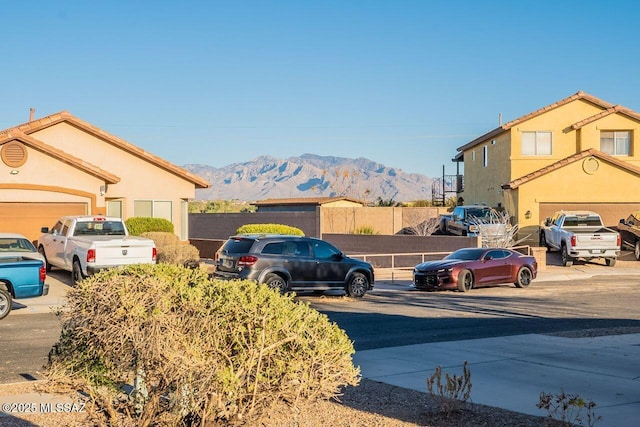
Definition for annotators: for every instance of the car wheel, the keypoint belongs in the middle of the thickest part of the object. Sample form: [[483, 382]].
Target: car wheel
[[636, 250], [357, 286], [41, 252], [610, 262], [76, 272], [5, 303], [524, 277], [465, 281], [567, 261], [276, 282]]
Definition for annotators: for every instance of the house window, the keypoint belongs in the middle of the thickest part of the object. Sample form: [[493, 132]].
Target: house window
[[485, 156], [152, 209], [616, 143], [114, 208], [536, 143], [473, 155]]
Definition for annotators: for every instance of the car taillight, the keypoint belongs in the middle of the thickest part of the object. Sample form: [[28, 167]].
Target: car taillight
[[573, 240], [247, 260], [154, 254], [618, 240], [91, 255], [43, 274]]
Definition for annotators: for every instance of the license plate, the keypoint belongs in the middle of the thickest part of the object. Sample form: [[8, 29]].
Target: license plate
[[227, 263], [597, 251]]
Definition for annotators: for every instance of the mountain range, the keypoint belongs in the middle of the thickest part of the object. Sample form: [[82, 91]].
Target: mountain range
[[310, 175]]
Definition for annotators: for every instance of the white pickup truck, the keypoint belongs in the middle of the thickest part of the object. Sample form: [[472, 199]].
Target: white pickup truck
[[580, 234], [84, 245]]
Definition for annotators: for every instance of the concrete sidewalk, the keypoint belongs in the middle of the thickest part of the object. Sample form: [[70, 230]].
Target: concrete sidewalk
[[511, 372]]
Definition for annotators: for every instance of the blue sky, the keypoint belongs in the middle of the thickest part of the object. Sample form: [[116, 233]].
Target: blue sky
[[400, 82]]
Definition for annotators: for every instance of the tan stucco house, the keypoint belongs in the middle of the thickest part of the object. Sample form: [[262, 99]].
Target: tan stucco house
[[578, 153], [62, 165]]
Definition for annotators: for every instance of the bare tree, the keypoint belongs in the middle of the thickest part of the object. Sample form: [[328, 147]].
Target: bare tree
[[496, 230], [419, 222]]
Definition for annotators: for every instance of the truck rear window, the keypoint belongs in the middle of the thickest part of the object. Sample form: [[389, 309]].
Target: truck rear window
[[99, 228]]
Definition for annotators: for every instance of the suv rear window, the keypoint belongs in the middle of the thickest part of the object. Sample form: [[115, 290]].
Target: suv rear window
[[237, 246]]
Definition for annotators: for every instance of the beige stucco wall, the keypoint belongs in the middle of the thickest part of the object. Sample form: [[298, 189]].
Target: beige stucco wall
[[572, 184], [383, 220], [482, 184], [140, 179]]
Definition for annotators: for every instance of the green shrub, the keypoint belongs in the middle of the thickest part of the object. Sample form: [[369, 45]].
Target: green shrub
[[205, 351], [269, 229], [365, 229], [138, 225]]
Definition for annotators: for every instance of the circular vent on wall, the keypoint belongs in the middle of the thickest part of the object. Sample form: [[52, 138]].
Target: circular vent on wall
[[14, 154]]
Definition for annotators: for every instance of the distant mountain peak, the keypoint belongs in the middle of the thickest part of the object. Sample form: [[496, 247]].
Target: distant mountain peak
[[310, 175]]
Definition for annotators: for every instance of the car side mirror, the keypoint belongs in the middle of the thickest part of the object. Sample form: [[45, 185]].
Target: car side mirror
[[44, 230], [547, 222], [488, 258], [338, 256], [621, 220]]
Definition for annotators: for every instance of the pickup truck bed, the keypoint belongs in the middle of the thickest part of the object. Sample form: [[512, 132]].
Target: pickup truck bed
[[20, 277]]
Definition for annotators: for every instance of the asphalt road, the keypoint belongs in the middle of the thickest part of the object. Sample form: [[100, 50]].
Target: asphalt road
[[398, 315], [395, 314]]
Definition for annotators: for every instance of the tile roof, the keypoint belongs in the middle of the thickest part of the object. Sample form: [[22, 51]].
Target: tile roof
[[303, 201], [580, 95], [17, 135], [568, 160], [65, 116], [613, 110]]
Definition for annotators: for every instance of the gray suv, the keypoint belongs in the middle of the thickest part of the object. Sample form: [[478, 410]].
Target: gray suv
[[293, 263]]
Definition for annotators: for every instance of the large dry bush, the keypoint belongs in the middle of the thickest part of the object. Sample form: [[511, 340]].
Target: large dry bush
[[201, 350], [172, 251]]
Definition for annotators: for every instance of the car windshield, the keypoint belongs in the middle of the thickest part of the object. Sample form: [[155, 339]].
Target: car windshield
[[16, 244], [466, 254]]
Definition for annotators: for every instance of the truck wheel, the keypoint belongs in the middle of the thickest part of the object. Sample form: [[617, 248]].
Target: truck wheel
[[46, 263], [76, 272], [636, 250], [5, 303], [567, 261], [610, 262]]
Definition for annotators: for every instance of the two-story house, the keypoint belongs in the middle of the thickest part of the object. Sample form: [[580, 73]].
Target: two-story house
[[578, 153]]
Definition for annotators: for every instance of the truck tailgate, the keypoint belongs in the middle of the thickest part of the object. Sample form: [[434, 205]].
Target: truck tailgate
[[597, 240], [120, 251]]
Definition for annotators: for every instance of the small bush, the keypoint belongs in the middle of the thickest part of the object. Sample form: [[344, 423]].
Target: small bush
[[172, 251], [269, 229], [365, 229], [452, 395], [138, 225], [568, 408], [203, 351]]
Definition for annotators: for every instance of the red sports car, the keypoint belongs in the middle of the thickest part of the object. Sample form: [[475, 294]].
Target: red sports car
[[476, 267]]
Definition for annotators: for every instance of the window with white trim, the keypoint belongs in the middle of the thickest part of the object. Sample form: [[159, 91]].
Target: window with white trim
[[616, 143], [152, 209], [536, 143], [485, 156]]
